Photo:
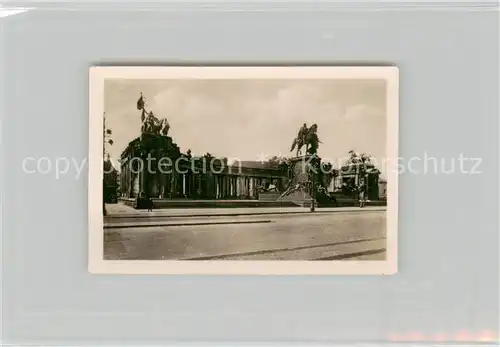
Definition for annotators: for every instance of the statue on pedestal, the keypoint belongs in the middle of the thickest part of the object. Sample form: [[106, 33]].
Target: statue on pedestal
[[306, 137], [154, 143], [305, 186], [303, 169]]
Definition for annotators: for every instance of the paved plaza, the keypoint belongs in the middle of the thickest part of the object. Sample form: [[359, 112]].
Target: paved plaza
[[245, 234]]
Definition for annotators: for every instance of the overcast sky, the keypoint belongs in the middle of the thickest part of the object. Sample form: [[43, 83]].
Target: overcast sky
[[251, 119]]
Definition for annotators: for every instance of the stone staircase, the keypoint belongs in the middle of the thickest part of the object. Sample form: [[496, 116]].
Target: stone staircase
[[299, 198], [269, 196]]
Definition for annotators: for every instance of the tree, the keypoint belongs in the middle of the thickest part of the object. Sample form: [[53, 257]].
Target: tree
[[358, 158], [359, 163], [278, 163], [110, 182]]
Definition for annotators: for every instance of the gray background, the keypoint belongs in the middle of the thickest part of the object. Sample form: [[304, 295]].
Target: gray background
[[448, 277]]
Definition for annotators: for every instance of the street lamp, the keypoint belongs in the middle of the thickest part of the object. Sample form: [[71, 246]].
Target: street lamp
[[106, 136], [313, 196]]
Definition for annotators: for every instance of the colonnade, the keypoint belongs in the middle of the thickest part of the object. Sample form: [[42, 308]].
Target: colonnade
[[192, 185]]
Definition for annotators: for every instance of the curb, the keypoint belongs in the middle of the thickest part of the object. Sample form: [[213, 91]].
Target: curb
[[125, 226], [242, 214]]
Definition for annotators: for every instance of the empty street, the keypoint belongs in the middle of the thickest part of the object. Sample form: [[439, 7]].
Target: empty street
[[349, 234]]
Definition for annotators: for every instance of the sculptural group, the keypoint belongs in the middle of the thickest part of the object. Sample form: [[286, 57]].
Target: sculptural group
[[150, 123], [308, 137]]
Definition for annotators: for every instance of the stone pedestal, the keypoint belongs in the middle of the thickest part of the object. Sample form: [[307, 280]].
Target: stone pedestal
[[303, 172]]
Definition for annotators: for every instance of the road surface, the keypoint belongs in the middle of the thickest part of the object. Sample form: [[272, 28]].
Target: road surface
[[353, 235]]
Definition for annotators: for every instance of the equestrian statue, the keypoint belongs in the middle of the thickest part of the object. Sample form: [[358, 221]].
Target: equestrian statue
[[307, 137]]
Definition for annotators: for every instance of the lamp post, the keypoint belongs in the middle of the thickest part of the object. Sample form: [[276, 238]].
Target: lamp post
[[106, 137], [313, 196]]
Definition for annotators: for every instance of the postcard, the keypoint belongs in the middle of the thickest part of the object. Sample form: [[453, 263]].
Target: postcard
[[243, 170]]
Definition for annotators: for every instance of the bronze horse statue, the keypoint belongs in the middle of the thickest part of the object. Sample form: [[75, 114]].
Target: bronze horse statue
[[306, 137]]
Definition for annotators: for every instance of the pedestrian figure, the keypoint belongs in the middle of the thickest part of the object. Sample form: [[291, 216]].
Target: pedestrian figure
[[149, 203]]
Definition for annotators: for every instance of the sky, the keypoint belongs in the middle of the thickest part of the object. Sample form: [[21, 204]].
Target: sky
[[253, 119]]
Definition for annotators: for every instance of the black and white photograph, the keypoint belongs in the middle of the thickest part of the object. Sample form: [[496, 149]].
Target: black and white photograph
[[243, 170]]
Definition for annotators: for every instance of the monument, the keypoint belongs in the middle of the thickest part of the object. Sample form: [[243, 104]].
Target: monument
[[150, 124], [153, 143], [200, 178], [304, 170]]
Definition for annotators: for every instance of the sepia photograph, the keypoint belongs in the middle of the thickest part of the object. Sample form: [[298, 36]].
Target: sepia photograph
[[243, 170]]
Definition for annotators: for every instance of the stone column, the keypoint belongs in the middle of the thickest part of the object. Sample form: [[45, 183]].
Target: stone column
[[188, 183], [120, 183], [163, 189], [129, 183], [148, 180], [192, 190], [154, 184], [356, 177], [183, 185], [193, 186], [205, 187], [128, 179], [124, 186], [221, 186], [159, 183], [141, 181], [131, 178], [173, 184], [207, 183], [212, 186], [166, 185], [136, 185]]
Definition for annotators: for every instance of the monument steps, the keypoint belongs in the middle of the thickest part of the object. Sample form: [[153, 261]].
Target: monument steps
[[269, 196], [190, 203]]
